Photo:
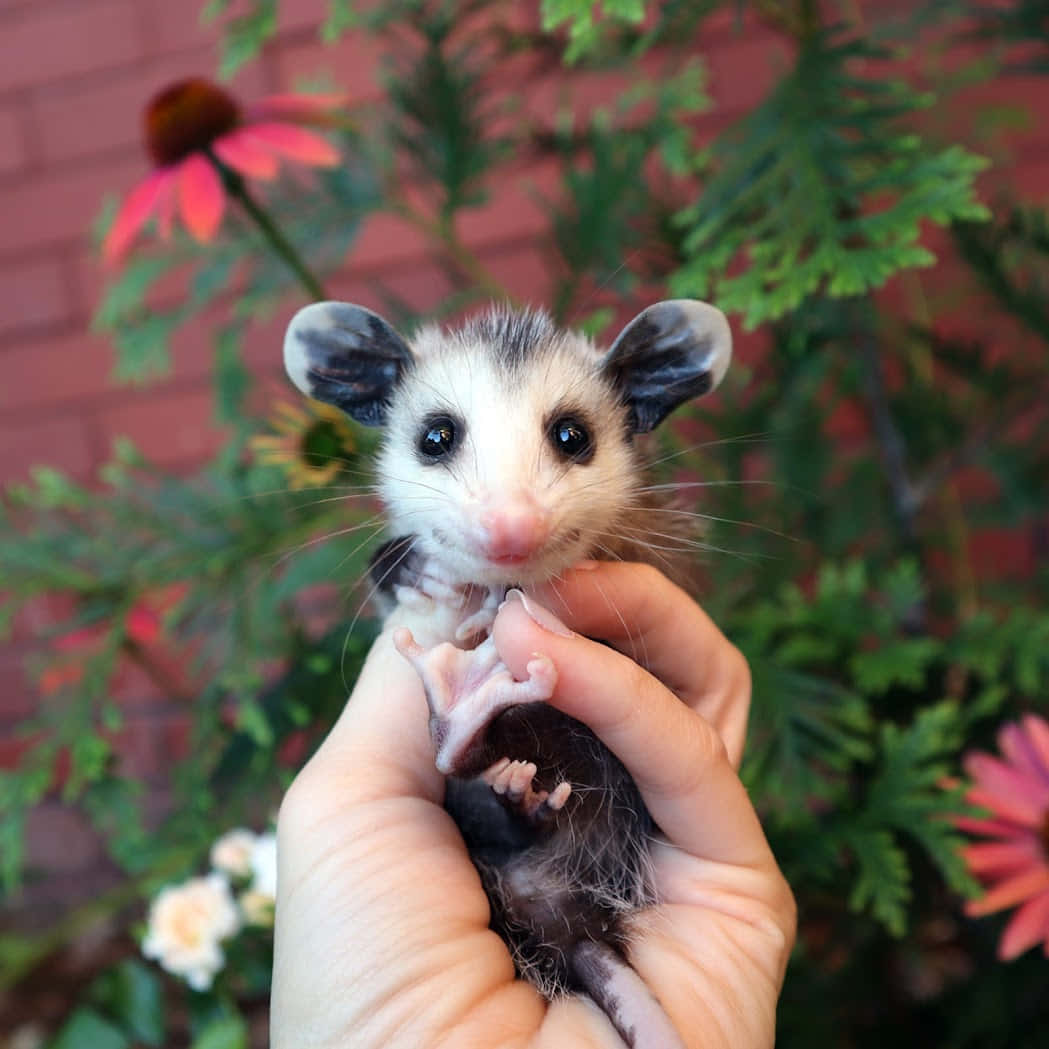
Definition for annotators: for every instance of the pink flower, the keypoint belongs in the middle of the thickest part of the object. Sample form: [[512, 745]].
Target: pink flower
[[193, 128], [1014, 865]]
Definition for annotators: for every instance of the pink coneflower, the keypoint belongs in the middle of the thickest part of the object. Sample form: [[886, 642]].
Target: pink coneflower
[[1015, 866], [193, 127], [143, 627]]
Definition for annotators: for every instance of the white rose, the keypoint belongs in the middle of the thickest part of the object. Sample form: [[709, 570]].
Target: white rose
[[257, 908], [187, 923], [264, 865], [231, 854]]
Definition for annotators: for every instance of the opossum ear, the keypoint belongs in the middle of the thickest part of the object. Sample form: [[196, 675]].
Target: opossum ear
[[667, 354], [347, 356]]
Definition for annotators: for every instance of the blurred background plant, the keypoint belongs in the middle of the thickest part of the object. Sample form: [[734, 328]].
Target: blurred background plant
[[872, 476]]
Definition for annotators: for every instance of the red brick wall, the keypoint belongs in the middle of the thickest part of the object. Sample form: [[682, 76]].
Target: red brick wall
[[74, 75]]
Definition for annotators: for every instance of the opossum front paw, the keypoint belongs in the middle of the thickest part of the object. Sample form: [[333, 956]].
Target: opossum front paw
[[514, 780], [431, 584], [465, 690]]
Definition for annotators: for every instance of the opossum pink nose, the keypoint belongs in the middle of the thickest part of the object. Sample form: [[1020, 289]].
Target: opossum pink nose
[[513, 531]]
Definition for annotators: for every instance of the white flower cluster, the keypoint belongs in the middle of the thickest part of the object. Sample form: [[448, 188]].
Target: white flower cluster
[[189, 922]]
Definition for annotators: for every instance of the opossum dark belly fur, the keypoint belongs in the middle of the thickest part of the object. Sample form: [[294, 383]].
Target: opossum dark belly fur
[[562, 876]]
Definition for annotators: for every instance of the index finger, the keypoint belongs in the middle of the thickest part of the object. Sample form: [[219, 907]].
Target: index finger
[[638, 611]]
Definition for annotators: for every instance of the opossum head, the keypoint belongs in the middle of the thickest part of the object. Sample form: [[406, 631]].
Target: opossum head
[[509, 445]]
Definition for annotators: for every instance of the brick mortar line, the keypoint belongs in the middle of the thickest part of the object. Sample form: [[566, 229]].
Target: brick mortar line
[[93, 78]]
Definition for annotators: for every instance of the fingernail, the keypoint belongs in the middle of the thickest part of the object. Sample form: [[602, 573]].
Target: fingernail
[[539, 615], [587, 566]]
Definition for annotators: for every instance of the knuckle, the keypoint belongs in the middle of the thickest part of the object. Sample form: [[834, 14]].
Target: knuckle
[[738, 672], [785, 907], [705, 749]]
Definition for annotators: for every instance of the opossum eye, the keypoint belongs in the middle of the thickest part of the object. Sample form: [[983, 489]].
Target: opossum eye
[[438, 437], [571, 439]]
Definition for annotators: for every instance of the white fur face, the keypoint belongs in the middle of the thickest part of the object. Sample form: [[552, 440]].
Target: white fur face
[[539, 453]]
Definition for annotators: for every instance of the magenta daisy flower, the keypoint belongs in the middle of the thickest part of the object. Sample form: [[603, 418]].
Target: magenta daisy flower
[[192, 129], [1014, 865]]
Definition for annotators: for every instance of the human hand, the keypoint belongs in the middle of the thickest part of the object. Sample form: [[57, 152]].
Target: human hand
[[382, 934]]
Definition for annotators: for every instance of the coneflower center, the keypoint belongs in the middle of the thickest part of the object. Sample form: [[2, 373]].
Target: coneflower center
[[1045, 833], [187, 117], [321, 443]]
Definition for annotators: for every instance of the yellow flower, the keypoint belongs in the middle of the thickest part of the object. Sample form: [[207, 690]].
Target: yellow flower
[[312, 444]]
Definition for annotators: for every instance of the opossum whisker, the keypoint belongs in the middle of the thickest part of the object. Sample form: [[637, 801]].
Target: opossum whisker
[[284, 555], [685, 544], [667, 562], [376, 585], [747, 438], [675, 486], [720, 520], [627, 631]]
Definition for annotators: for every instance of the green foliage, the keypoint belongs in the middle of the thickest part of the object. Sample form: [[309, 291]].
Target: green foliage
[[578, 15], [856, 458], [817, 745], [245, 33], [226, 1032], [821, 188], [86, 1028], [444, 116]]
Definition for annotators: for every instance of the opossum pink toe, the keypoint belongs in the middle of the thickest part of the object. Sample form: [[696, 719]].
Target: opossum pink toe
[[493, 772], [559, 795]]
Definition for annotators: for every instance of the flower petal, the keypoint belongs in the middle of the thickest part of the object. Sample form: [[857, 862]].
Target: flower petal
[[135, 211], [200, 196], [1017, 746], [244, 156], [989, 858], [1011, 891], [302, 108], [1021, 814], [166, 209], [1028, 926], [296, 143], [1009, 785], [1037, 730], [988, 828], [142, 624]]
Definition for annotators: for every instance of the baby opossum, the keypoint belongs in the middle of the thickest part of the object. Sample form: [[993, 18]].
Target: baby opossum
[[508, 456]]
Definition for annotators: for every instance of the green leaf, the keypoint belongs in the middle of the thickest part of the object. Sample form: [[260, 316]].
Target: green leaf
[[126, 294], [244, 36], [251, 719], [132, 994], [882, 879], [55, 491], [224, 1032], [85, 1029], [144, 346], [341, 16], [583, 31], [908, 794], [232, 380], [213, 8], [900, 662]]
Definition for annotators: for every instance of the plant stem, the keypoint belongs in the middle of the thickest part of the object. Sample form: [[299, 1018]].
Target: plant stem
[[164, 674], [887, 434], [237, 188], [443, 231]]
